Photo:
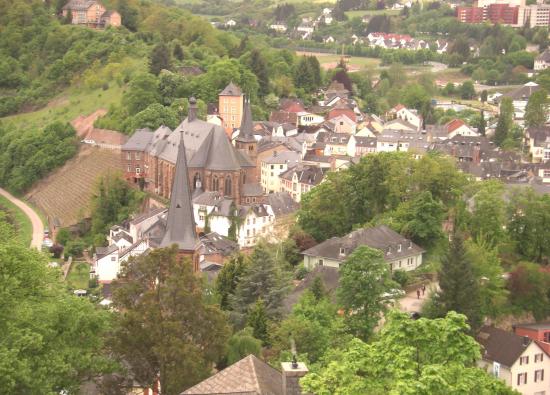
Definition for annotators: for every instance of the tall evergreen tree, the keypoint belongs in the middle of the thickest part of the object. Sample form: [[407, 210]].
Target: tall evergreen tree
[[178, 52], [258, 66], [342, 76], [160, 59], [505, 121], [257, 320], [228, 278], [482, 123], [262, 279], [459, 287]]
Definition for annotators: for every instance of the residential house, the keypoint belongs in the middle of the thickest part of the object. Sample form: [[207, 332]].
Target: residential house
[[337, 144], [279, 27], [90, 13], [305, 30], [540, 332], [403, 141], [231, 23], [364, 145], [517, 360], [458, 127], [399, 252], [520, 97], [343, 124], [328, 40], [542, 61], [306, 118], [408, 115], [252, 376], [537, 140], [273, 166], [441, 46], [544, 172], [301, 179]]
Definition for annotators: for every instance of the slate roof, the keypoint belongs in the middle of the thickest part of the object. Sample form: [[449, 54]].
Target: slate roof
[[544, 57], [249, 376], [501, 346], [282, 203], [217, 153], [139, 140], [361, 141], [231, 90], [288, 157], [523, 92], [79, 5], [330, 276], [246, 130], [101, 252], [214, 243], [252, 189], [147, 215], [380, 237], [180, 220], [306, 174]]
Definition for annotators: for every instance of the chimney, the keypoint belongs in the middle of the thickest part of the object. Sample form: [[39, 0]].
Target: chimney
[[192, 113], [292, 373]]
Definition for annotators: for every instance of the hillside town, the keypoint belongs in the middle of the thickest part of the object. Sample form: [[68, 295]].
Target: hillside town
[[346, 197]]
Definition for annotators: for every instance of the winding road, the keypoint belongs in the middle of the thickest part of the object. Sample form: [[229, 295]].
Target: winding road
[[37, 226]]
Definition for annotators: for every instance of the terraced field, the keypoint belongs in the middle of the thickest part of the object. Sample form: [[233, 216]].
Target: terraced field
[[65, 195]]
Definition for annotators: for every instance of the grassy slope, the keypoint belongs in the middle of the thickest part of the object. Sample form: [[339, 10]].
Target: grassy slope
[[360, 13], [79, 275], [71, 103], [22, 223]]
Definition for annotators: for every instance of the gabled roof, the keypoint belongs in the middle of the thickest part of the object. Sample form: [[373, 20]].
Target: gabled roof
[[523, 92], [101, 252], [217, 153], [249, 376], [544, 57], [231, 90], [392, 244], [501, 346], [282, 203], [180, 221], [79, 5], [454, 125], [139, 140]]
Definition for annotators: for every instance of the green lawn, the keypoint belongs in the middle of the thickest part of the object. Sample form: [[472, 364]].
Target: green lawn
[[68, 105], [361, 13], [79, 275], [21, 222]]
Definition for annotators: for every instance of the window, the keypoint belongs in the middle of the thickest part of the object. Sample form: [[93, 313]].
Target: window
[[113, 258], [320, 262], [248, 233], [254, 221], [128, 156], [137, 156], [215, 184], [539, 357], [539, 375], [138, 170], [272, 167], [496, 369], [228, 186], [524, 360], [197, 183], [522, 378], [129, 168]]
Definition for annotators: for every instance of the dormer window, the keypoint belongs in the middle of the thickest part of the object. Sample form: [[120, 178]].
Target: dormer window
[[399, 248], [342, 251]]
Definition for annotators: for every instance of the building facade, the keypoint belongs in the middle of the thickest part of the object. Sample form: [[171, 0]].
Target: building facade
[[231, 107]]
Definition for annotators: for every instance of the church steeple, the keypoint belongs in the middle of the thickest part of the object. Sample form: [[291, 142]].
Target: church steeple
[[180, 221], [246, 131]]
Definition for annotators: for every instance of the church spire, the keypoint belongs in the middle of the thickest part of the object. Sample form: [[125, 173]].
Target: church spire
[[180, 221], [246, 131]]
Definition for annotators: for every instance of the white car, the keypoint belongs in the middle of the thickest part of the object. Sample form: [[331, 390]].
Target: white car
[[47, 242]]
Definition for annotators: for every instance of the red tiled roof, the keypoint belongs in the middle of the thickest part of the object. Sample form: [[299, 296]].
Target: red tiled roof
[[454, 124]]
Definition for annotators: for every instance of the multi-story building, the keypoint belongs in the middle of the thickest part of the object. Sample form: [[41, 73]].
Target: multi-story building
[[230, 107], [90, 13], [273, 166], [301, 179]]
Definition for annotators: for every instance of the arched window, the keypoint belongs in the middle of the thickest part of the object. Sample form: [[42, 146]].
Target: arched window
[[215, 184], [228, 186], [244, 178], [197, 183]]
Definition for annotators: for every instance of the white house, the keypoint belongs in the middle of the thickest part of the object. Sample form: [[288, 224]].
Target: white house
[[457, 127], [231, 23], [407, 115], [273, 166], [329, 40], [520, 97], [279, 27], [517, 360], [542, 62], [399, 252], [308, 119]]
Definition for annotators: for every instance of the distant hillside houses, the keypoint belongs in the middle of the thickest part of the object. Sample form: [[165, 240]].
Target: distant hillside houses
[[91, 13]]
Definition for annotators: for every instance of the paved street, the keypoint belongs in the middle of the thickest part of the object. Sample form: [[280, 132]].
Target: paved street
[[410, 302], [37, 226]]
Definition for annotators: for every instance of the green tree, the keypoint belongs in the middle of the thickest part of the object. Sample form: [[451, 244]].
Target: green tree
[[228, 278], [529, 224], [467, 90], [258, 321], [364, 277], [528, 286], [409, 356], [459, 288], [318, 289], [536, 111], [129, 15], [164, 328], [160, 59], [483, 96], [154, 116], [261, 279], [482, 125], [143, 91], [258, 66], [241, 344], [505, 121], [178, 52], [51, 340], [489, 213]]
